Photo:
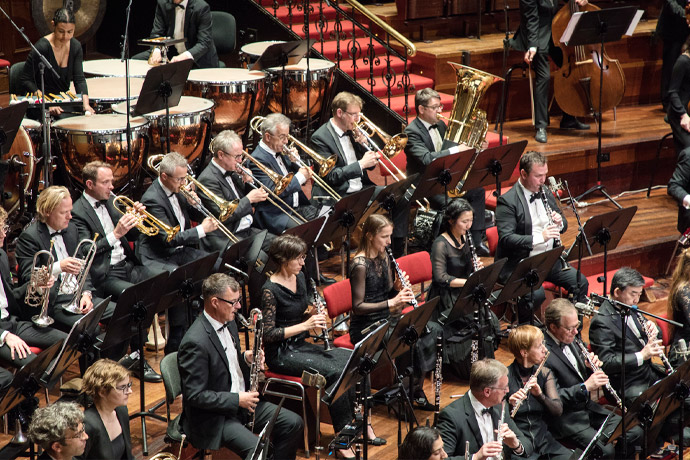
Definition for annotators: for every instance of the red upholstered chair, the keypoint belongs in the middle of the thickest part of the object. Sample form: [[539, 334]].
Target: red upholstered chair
[[400, 160], [490, 199], [598, 287], [338, 297], [492, 239], [418, 269], [5, 64]]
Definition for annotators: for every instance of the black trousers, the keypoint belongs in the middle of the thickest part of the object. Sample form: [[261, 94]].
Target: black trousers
[[34, 336], [124, 275], [584, 437], [64, 320], [286, 432]]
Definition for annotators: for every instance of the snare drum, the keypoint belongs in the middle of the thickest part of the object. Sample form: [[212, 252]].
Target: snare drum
[[105, 91], [101, 137], [321, 72], [22, 161], [251, 52], [232, 91], [187, 126], [115, 68]]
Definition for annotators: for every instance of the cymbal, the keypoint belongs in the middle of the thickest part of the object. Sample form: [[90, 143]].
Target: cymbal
[[88, 16]]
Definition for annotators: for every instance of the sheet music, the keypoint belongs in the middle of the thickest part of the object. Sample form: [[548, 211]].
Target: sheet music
[[633, 23], [572, 25]]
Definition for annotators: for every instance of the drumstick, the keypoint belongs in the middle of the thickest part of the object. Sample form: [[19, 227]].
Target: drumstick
[[531, 90]]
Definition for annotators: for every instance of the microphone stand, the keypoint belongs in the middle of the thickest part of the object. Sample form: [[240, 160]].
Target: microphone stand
[[581, 236], [128, 128], [45, 120]]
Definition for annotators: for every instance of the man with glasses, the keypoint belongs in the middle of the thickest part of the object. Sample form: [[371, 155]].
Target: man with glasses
[[475, 417], [216, 405], [164, 201], [59, 430], [582, 416], [425, 143]]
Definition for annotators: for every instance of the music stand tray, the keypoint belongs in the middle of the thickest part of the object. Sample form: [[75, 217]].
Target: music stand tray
[[494, 165], [476, 291], [163, 86], [604, 231], [10, 121], [283, 54], [442, 174]]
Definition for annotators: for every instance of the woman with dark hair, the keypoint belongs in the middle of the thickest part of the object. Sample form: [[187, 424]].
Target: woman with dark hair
[[678, 98], [284, 300], [678, 306], [65, 54], [106, 421], [422, 443]]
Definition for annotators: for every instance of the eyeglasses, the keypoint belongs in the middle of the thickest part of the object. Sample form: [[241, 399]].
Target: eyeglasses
[[303, 257], [353, 114], [231, 302], [124, 388], [177, 179], [80, 434], [504, 389], [5, 228], [282, 137], [573, 328], [434, 107]]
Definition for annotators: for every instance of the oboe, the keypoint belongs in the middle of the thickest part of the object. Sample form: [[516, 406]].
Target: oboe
[[321, 310], [528, 385], [473, 252], [651, 331], [595, 368], [438, 377], [499, 436]]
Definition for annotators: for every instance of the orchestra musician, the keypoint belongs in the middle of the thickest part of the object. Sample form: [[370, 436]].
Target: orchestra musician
[[59, 430], [576, 381], [65, 54], [678, 97], [423, 442], [524, 229], [475, 418], [54, 222], [188, 19], [678, 308], [106, 419], [271, 153], [673, 29], [214, 373], [164, 201], [222, 178], [540, 402], [285, 298], [425, 143], [679, 188], [533, 37]]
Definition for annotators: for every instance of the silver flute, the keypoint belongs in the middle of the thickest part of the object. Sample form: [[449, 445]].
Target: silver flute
[[528, 385], [499, 436], [595, 368]]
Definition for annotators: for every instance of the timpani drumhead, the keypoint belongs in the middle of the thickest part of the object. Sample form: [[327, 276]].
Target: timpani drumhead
[[115, 68]]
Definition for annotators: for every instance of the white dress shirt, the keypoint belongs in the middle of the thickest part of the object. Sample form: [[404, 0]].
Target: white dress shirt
[[539, 222], [60, 251], [117, 254], [177, 210], [226, 340], [437, 140], [283, 170], [247, 220], [354, 185], [485, 422], [179, 26]]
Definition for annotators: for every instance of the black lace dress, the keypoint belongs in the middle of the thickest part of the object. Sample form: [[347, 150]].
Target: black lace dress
[[681, 313], [447, 264], [283, 308]]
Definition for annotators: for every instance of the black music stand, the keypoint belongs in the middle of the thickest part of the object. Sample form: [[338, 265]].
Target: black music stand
[[494, 165], [599, 27], [241, 257], [441, 173], [528, 276], [390, 196], [402, 338], [346, 214], [602, 233], [475, 292], [309, 232], [360, 364], [162, 89], [263, 441], [81, 338], [10, 121]]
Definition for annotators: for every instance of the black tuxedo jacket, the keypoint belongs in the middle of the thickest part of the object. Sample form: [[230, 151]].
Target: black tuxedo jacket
[[606, 338], [575, 398], [671, 24], [198, 29], [535, 25], [158, 205], [679, 186], [206, 382], [326, 142], [88, 224], [99, 445], [15, 295], [420, 148], [514, 225], [269, 216], [214, 180], [457, 424]]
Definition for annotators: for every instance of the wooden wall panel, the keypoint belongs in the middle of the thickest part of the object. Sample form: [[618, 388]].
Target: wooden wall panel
[[12, 46]]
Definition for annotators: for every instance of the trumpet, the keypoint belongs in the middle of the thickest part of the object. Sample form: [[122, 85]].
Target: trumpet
[[146, 222], [35, 294], [325, 164], [74, 284], [528, 385]]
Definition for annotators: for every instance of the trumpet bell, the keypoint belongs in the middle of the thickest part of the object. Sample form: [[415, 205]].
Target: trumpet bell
[[42, 321]]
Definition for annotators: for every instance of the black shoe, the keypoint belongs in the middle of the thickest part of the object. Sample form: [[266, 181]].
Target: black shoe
[[325, 281], [150, 375], [573, 123], [541, 135], [483, 250], [128, 362], [420, 402]]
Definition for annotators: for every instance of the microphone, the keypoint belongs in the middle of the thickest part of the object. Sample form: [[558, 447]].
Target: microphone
[[587, 309], [555, 187], [683, 349]]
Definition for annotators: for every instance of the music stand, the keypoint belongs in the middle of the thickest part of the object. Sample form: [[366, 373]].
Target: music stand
[[475, 292], [528, 276], [10, 121], [592, 27], [494, 165], [81, 337], [603, 233], [358, 367], [390, 196], [442, 172], [162, 89], [263, 441]]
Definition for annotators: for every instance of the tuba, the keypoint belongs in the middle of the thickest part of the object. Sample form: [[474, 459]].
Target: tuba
[[74, 284], [146, 223], [37, 296]]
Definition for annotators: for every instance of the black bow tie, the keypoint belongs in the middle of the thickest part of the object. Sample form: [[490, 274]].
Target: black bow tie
[[348, 133], [433, 127], [179, 5], [100, 203], [58, 233], [170, 195], [224, 326], [486, 411], [534, 196], [227, 174]]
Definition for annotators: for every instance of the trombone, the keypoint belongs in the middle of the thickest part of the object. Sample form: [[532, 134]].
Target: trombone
[[325, 164], [35, 294], [74, 284], [153, 162], [146, 222]]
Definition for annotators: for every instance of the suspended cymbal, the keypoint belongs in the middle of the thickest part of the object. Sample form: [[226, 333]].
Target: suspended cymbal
[[88, 15]]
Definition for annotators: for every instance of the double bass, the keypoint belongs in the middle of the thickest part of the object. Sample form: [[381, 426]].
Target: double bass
[[577, 82]]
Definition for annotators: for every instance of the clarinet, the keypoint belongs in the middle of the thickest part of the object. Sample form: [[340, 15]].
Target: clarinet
[[474, 351], [399, 271], [595, 368], [257, 325], [499, 436], [473, 252], [438, 377], [528, 385], [321, 310], [652, 332], [547, 207]]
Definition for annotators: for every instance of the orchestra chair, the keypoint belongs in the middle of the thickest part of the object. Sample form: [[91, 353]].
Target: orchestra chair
[[417, 266], [15, 73], [492, 239], [400, 160], [338, 297], [274, 379], [665, 333], [5, 64], [224, 32], [596, 284]]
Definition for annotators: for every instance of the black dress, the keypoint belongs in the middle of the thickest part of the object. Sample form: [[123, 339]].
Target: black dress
[[681, 313], [283, 308], [678, 98], [371, 281], [74, 72], [447, 264]]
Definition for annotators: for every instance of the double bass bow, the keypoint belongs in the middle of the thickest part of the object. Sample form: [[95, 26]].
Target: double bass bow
[[577, 82]]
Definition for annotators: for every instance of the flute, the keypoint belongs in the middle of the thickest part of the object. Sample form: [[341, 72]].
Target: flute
[[528, 385], [499, 436]]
